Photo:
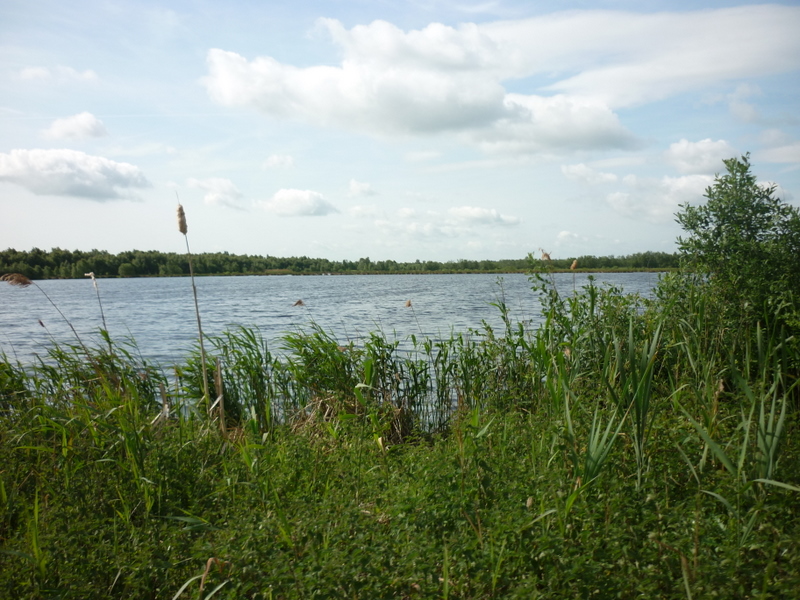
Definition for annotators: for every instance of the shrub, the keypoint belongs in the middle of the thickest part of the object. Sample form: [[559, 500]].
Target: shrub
[[745, 242]]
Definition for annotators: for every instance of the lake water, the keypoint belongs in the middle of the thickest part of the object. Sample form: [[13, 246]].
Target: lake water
[[158, 313]]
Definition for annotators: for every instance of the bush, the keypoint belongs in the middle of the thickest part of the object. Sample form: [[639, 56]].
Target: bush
[[745, 242]]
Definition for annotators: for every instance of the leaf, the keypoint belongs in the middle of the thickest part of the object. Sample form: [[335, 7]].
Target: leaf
[[779, 484], [715, 448], [721, 499]]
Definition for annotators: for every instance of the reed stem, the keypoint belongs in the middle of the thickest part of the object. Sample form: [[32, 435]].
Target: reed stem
[[182, 227]]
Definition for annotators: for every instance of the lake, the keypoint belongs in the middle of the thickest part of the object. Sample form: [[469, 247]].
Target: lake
[[158, 313]]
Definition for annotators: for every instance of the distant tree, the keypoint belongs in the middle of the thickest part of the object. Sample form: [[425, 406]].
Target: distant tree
[[127, 270]]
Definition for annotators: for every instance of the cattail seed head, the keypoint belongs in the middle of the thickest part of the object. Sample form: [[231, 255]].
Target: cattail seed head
[[182, 220], [574, 264], [16, 279], [545, 255], [408, 303]]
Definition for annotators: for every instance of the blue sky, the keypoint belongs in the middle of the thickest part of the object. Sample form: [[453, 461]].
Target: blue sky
[[395, 130]]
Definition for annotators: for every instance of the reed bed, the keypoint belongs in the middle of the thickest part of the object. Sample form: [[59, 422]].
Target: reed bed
[[627, 448]]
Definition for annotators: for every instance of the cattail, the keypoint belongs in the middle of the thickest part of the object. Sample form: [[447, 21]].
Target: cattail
[[408, 303], [574, 265], [299, 303], [545, 255], [182, 220], [16, 279], [183, 229]]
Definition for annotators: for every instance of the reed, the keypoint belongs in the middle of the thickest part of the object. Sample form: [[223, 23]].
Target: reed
[[183, 228], [490, 463]]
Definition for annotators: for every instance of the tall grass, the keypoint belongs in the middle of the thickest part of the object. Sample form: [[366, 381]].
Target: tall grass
[[623, 449]]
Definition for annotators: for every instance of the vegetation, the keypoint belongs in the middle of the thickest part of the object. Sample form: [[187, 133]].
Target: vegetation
[[57, 263], [747, 242], [628, 448]]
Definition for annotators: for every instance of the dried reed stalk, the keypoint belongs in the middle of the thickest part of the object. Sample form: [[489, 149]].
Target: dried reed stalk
[[102, 314], [20, 280], [184, 229]]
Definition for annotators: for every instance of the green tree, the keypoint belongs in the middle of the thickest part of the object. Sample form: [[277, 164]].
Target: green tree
[[127, 270], [746, 242]]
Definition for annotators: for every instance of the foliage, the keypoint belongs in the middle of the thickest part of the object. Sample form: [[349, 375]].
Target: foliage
[[59, 263], [627, 448], [746, 241], [595, 456]]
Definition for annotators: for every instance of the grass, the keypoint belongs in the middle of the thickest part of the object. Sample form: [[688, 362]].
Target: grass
[[627, 448]]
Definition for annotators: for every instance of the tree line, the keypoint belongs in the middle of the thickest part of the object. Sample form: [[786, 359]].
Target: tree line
[[71, 264]]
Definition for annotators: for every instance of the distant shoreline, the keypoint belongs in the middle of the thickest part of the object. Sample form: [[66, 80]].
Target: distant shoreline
[[285, 273]]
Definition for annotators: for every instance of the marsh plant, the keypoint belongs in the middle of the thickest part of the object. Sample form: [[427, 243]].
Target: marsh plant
[[183, 228], [626, 448]]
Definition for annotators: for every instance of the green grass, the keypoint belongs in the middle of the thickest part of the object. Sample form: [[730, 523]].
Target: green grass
[[626, 449]]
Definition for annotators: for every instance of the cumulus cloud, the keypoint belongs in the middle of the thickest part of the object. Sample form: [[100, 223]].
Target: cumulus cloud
[[279, 161], [481, 216], [705, 156], [440, 78], [420, 82], [219, 191], [657, 200], [581, 172], [60, 74], [358, 188], [298, 203], [70, 173], [538, 124], [80, 126]]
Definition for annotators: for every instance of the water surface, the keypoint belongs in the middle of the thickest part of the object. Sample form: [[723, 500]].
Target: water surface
[[158, 313]]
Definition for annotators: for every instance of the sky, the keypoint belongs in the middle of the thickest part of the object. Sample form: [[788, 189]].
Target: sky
[[403, 130]]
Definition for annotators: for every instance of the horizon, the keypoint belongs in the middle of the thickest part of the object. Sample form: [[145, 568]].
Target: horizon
[[404, 130]]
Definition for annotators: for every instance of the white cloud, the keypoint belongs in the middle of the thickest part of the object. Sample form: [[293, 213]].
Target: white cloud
[[538, 124], [657, 200], [80, 126], [406, 213], [70, 173], [279, 161], [786, 153], [481, 216], [705, 156], [298, 203], [422, 155], [778, 191], [358, 188], [661, 54], [60, 74], [442, 78], [219, 191], [566, 236], [586, 174], [34, 73], [421, 82]]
